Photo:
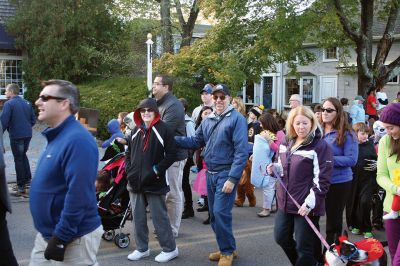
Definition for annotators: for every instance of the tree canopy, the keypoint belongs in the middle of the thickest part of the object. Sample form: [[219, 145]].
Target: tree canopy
[[251, 36], [69, 39]]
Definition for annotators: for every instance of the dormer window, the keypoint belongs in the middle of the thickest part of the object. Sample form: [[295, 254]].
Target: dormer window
[[330, 54]]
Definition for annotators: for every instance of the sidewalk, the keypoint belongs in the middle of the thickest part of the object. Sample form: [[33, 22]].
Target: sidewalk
[[36, 146]]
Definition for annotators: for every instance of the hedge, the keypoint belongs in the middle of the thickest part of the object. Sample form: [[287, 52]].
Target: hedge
[[122, 94]]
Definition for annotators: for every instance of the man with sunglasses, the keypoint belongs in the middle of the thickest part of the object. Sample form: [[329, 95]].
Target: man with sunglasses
[[173, 114], [18, 118], [62, 196], [224, 135]]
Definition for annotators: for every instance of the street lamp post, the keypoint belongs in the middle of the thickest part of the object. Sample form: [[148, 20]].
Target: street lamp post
[[149, 43]]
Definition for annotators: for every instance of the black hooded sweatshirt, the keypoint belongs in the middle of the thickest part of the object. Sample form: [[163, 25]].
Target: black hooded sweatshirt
[[151, 151]]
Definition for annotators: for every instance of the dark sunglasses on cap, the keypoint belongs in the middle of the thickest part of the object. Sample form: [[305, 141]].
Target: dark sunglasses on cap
[[328, 110], [222, 97], [144, 110], [45, 98]]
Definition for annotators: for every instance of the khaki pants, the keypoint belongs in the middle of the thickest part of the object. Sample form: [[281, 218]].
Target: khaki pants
[[81, 251], [174, 198]]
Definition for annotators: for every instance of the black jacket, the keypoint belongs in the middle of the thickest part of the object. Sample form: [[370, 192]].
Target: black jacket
[[147, 154]]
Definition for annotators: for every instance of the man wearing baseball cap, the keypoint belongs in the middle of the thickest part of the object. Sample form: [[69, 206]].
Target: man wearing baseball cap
[[224, 138], [206, 99]]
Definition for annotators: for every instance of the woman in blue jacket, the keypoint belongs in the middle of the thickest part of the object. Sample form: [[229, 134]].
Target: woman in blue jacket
[[338, 134]]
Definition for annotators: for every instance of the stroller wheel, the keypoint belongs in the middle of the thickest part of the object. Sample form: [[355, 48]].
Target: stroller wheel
[[122, 240], [108, 235]]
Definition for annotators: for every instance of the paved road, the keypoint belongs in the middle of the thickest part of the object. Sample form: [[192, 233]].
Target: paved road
[[254, 235]]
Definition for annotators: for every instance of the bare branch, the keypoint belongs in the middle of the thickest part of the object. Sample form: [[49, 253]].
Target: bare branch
[[386, 41], [345, 22]]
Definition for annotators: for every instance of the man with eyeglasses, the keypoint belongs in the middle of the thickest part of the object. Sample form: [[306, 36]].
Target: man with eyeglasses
[[18, 118], [295, 100], [173, 114], [62, 196], [224, 135]]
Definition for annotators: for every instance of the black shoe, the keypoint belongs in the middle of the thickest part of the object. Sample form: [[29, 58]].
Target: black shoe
[[187, 213], [203, 209], [207, 221]]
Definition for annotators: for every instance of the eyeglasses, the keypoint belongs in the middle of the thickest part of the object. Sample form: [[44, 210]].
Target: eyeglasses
[[144, 110], [45, 98], [222, 97], [328, 110], [157, 83]]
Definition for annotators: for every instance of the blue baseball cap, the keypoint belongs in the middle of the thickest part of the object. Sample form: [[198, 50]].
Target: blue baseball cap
[[207, 88], [221, 88]]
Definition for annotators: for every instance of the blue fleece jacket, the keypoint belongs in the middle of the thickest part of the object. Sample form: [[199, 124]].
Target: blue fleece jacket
[[344, 156], [18, 118], [114, 129], [62, 195], [225, 147]]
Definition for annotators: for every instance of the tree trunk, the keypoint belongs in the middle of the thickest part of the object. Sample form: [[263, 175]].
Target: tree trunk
[[166, 27]]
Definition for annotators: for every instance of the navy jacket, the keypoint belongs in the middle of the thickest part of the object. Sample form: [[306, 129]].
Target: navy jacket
[[18, 118], [225, 147]]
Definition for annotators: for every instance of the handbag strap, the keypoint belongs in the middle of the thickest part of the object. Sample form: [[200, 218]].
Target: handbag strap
[[219, 121]]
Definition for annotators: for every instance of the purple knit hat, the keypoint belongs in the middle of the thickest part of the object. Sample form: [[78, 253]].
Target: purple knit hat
[[391, 114]]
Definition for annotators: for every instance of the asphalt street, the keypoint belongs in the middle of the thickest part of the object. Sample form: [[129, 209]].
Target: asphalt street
[[254, 235]]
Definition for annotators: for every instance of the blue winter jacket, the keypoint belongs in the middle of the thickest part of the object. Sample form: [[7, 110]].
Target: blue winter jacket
[[18, 118], [225, 147], [357, 114], [62, 195], [114, 129], [344, 157]]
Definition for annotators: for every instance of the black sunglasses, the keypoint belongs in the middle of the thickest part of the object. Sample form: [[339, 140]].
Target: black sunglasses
[[328, 110], [144, 110], [45, 98], [222, 97]]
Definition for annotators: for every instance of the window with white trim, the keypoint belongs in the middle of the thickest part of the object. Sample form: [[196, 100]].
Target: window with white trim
[[394, 80], [305, 86], [330, 54], [10, 72]]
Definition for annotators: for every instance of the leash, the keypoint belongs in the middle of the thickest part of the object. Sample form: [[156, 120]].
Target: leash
[[316, 231]]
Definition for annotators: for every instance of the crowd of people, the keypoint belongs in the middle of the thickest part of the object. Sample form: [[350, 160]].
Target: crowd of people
[[331, 159]]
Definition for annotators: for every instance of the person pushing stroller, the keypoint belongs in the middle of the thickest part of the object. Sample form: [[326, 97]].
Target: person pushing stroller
[[151, 150]]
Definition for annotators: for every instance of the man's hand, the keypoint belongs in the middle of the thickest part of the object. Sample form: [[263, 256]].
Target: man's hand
[[228, 187], [55, 249]]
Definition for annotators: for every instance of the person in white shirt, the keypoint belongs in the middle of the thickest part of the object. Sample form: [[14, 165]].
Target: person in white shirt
[[381, 99]]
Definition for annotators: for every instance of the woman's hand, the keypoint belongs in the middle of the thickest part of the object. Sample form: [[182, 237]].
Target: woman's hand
[[270, 168], [398, 191], [304, 210]]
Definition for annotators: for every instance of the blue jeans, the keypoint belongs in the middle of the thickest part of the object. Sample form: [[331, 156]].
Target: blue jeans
[[19, 147], [306, 249], [220, 206]]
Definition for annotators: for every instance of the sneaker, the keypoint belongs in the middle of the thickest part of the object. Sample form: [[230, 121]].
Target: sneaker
[[137, 255], [264, 213], [355, 231], [215, 256], [167, 256], [368, 235]]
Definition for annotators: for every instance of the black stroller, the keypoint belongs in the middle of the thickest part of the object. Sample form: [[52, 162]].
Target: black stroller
[[114, 205]]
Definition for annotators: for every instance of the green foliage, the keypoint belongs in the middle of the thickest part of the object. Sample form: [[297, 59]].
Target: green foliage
[[122, 94], [69, 39]]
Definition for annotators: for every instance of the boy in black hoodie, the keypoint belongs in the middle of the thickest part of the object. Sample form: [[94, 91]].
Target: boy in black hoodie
[[358, 209]]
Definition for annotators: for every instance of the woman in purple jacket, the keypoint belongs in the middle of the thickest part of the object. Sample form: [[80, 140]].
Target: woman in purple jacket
[[339, 135], [305, 166]]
